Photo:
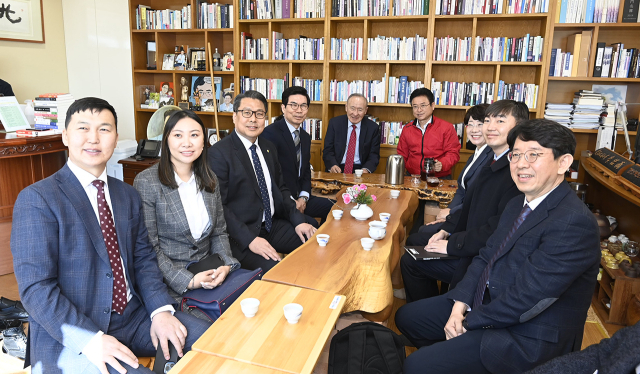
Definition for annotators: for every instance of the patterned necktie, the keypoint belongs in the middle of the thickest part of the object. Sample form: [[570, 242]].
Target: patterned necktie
[[263, 188], [119, 299], [484, 278], [296, 142], [351, 151]]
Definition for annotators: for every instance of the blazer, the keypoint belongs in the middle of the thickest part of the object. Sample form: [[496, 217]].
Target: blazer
[[63, 270], [241, 198], [458, 198], [169, 231], [335, 143], [278, 133], [540, 287]]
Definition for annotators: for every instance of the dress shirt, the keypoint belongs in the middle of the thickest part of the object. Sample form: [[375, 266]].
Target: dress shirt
[[535, 202], [265, 169], [193, 205], [497, 157], [293, 136], [475, 157], [86, 179], [356, 157], [423, 129]]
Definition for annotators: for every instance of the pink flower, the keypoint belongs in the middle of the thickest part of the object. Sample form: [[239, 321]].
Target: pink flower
[[363, 187], [374, 197], [346, 197]]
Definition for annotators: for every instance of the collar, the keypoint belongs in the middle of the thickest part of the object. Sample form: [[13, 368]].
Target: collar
[[291, 127], [480, 150], [180, 182], [247, 144], [426, 124], [357, 124], [535, 202], [84, 176], [497, 157]]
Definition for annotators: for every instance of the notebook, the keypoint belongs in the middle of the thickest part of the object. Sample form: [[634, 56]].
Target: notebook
[[419, 253]]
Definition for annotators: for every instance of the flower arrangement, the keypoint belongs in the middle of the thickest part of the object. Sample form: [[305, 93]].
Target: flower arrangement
[[358, 193]]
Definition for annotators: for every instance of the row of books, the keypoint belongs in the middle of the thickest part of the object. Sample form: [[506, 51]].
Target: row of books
[[150, 19], [389, 131], [528, 6], [390, 48], [616, 61], [400, 89], [346, 49], [297, 49], [50, 111], [313, 126], [377, 8], [575, 61], [588, 11], [524, 92], [525, 49], [308, 8], [251, 9], [215, 16], [462, 93], [630, 12], [253, 49], [271, 88], [313, 87], [373, 90], [452, 49], [452, 7]]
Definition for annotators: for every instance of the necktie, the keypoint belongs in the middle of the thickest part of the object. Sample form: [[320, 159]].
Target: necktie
[[493, 161], [484, 278], [263, 188], [296, 142], [119, 299], [351, 151]]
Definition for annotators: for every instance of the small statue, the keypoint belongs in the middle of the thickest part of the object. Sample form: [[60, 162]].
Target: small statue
[[185, 89]]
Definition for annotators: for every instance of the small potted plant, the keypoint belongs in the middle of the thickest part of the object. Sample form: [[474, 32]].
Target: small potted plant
[[358, 194]]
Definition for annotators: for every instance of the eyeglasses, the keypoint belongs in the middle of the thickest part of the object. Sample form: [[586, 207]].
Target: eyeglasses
[[354, 109], [530, 156], [295, 106], [248, 113]]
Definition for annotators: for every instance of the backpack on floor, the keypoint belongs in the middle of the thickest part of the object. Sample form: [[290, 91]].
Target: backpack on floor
[[366, 348]]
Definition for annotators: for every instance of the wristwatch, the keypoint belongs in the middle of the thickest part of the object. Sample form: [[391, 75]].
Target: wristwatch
[[306, 199], [465, 324]]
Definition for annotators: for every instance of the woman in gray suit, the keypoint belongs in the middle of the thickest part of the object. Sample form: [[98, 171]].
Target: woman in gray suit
[[183, 210]]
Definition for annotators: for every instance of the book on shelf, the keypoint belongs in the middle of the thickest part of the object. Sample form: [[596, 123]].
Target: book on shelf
[[215, 16], [389, 130], [630, 12], [525, 49], [588, 11], [454, 7], [346, 49], [363, 8], [528, 6], [616, 61], [313, 126], [390, 48], [35, 132], [313, 87], [307, 8], [302, 48], [462, 93], [50, 110], [400, 89], [166, 19], [271, 88], [524, 92], [280, 9], [575, 61], [452, 49], [253, 49], [373, 90]]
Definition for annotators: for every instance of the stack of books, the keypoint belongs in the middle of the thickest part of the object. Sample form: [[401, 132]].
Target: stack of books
[[150, 19], [215, 16], [270, 88], [253, 49], [588, 11], [297, 49], [560, 113], [525, 49], [346, 49], [389, 131], [575, 61], [400, 89], [364, 8], [313, 87], [51, 111], [452, 7], [313, 126], [373, 90], [616, 61], [462, 93], [588, 109], [389, 48], [306, 8], [524, 92], [452, 49]]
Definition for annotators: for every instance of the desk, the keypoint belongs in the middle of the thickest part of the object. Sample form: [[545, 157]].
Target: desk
[[194, 362], [268, 339], [23, 161], [131, 167], [323, 183], [343, 267]]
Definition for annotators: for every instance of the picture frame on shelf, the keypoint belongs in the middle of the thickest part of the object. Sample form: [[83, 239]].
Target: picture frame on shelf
[[151, 55], [612, 93], [201, 92], [168, 61], [166, 94], [225, 104], [180, 61], [22, 21], [227, 62], [197, 59], [145, 92], [212, 135]]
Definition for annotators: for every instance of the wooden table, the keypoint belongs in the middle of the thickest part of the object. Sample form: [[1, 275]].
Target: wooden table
[[267, 339], [323, 183], [343, 267], [131, 167], [194, 362]]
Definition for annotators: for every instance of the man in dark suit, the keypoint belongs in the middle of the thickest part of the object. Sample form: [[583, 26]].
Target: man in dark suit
[[87, 274], [262, 219], [294, 152], [467, 230], [525, 297], [352, 141]]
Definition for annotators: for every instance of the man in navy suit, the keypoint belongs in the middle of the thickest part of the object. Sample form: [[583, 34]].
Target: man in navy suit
[[524, 299], [294, 152], [86, 272], [352, 141]]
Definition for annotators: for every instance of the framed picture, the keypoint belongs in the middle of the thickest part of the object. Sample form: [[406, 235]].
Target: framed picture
[[166, 94], [197, 59], [213, 136], [226, 102], [612, 93], [22, 21], [201, 91], [180, 62], [151, 55], [167, 61]]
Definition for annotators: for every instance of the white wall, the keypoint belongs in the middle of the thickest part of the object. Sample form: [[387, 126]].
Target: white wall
[[99, 55]]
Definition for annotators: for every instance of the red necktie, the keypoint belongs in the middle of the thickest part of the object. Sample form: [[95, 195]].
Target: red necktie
[[119, 300], [351, 151]]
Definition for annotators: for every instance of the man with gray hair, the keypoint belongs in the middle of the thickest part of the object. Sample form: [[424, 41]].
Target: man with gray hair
[[352, 141]]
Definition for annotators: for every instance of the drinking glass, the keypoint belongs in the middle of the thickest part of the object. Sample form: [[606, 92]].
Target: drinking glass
[[632, 249]]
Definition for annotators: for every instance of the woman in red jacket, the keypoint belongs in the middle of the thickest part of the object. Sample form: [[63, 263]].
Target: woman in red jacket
[[428, 136]]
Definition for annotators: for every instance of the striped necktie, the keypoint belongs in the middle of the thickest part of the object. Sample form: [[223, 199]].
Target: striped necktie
[[296, 142], [264, 192]]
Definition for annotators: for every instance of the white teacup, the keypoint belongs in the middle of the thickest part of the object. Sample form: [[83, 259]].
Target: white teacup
[[377, 230], [358, 173], [322, 239], [385, 217], [367, 243], [337, 213], [395, 194], [249, 306], [292, 312]]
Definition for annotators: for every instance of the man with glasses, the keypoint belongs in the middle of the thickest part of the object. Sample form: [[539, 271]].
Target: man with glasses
[[262, 219], [294, 152], [352, 141], [428, 136], [525, 297]]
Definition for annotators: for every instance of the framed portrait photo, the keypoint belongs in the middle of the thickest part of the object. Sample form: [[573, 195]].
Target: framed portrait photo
[[22, 21]]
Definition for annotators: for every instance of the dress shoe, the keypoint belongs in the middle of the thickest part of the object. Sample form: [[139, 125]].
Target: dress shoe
[[14, 342], [7, 303], [14, 313]]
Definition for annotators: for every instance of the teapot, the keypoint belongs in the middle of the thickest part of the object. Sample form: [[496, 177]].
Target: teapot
[[377, 230], [606, 227], [427, 168]]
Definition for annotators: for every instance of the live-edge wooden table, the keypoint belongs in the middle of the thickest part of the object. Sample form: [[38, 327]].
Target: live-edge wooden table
[[195, 362]]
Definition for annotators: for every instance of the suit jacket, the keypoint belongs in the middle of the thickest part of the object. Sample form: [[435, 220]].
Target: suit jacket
[[335, 143], [169, 231], [241, 198], [278, 133], [484, 202], [458, 198], [63, 270], [540, 287]]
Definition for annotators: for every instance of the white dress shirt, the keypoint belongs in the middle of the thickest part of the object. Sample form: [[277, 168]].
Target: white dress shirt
[[475, 158], [265, 169], [193, 205], [423, 129], [293, 136], [356, 157]]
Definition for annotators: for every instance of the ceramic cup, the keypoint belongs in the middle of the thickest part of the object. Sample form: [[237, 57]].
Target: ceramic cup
[[358, 173], [377, 230], [367, 243], [292, 312], [384, 217], [395, 194], [323, 239], [337, 213], [249, 306]]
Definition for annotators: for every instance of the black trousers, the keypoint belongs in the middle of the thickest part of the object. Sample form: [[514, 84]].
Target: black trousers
[[317, 207], [422, 322], [283, 239], [421, 277]]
